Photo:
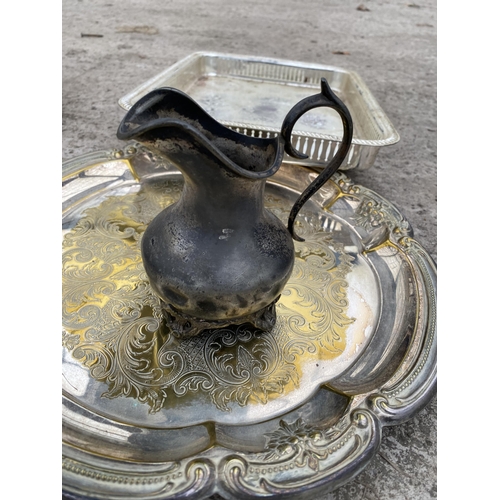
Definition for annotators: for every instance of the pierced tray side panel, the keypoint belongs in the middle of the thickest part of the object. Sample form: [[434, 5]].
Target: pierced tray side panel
[[319, 150]]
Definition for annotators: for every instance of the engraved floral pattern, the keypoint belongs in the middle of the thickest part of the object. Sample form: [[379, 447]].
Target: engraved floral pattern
[[113, 321], [298, 439], [373, 214]]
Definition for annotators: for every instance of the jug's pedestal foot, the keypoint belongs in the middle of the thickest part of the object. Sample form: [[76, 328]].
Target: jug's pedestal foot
[[183, 325]]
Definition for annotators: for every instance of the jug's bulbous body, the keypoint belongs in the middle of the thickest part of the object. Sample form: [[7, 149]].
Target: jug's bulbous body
[[215, 257], [217, 273]]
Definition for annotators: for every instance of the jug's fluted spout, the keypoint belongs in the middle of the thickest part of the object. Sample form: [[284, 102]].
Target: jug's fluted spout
[[167, 114]]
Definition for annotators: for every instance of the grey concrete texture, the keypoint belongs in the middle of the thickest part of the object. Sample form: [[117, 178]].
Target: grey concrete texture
[[390, 44]]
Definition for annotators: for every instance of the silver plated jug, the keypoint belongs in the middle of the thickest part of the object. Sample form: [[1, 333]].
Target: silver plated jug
[[217, 257]]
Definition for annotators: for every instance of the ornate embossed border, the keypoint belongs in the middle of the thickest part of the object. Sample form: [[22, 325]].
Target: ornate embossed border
[[300, 461]]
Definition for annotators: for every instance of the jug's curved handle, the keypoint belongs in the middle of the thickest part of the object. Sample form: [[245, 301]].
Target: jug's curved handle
[[325, 98]]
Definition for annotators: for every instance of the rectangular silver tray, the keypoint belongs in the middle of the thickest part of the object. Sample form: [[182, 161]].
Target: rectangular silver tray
[[252, 95]]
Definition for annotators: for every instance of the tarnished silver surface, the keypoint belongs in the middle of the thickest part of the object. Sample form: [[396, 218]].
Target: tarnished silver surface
[[220, 428], [252, 95]]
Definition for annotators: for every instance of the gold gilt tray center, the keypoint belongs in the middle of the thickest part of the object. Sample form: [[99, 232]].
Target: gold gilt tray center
[[113, 324]]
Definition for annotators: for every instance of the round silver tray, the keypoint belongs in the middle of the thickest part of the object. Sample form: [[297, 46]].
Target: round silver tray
[[237, 412]]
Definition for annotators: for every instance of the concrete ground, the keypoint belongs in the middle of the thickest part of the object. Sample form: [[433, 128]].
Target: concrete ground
[[390, 44]]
